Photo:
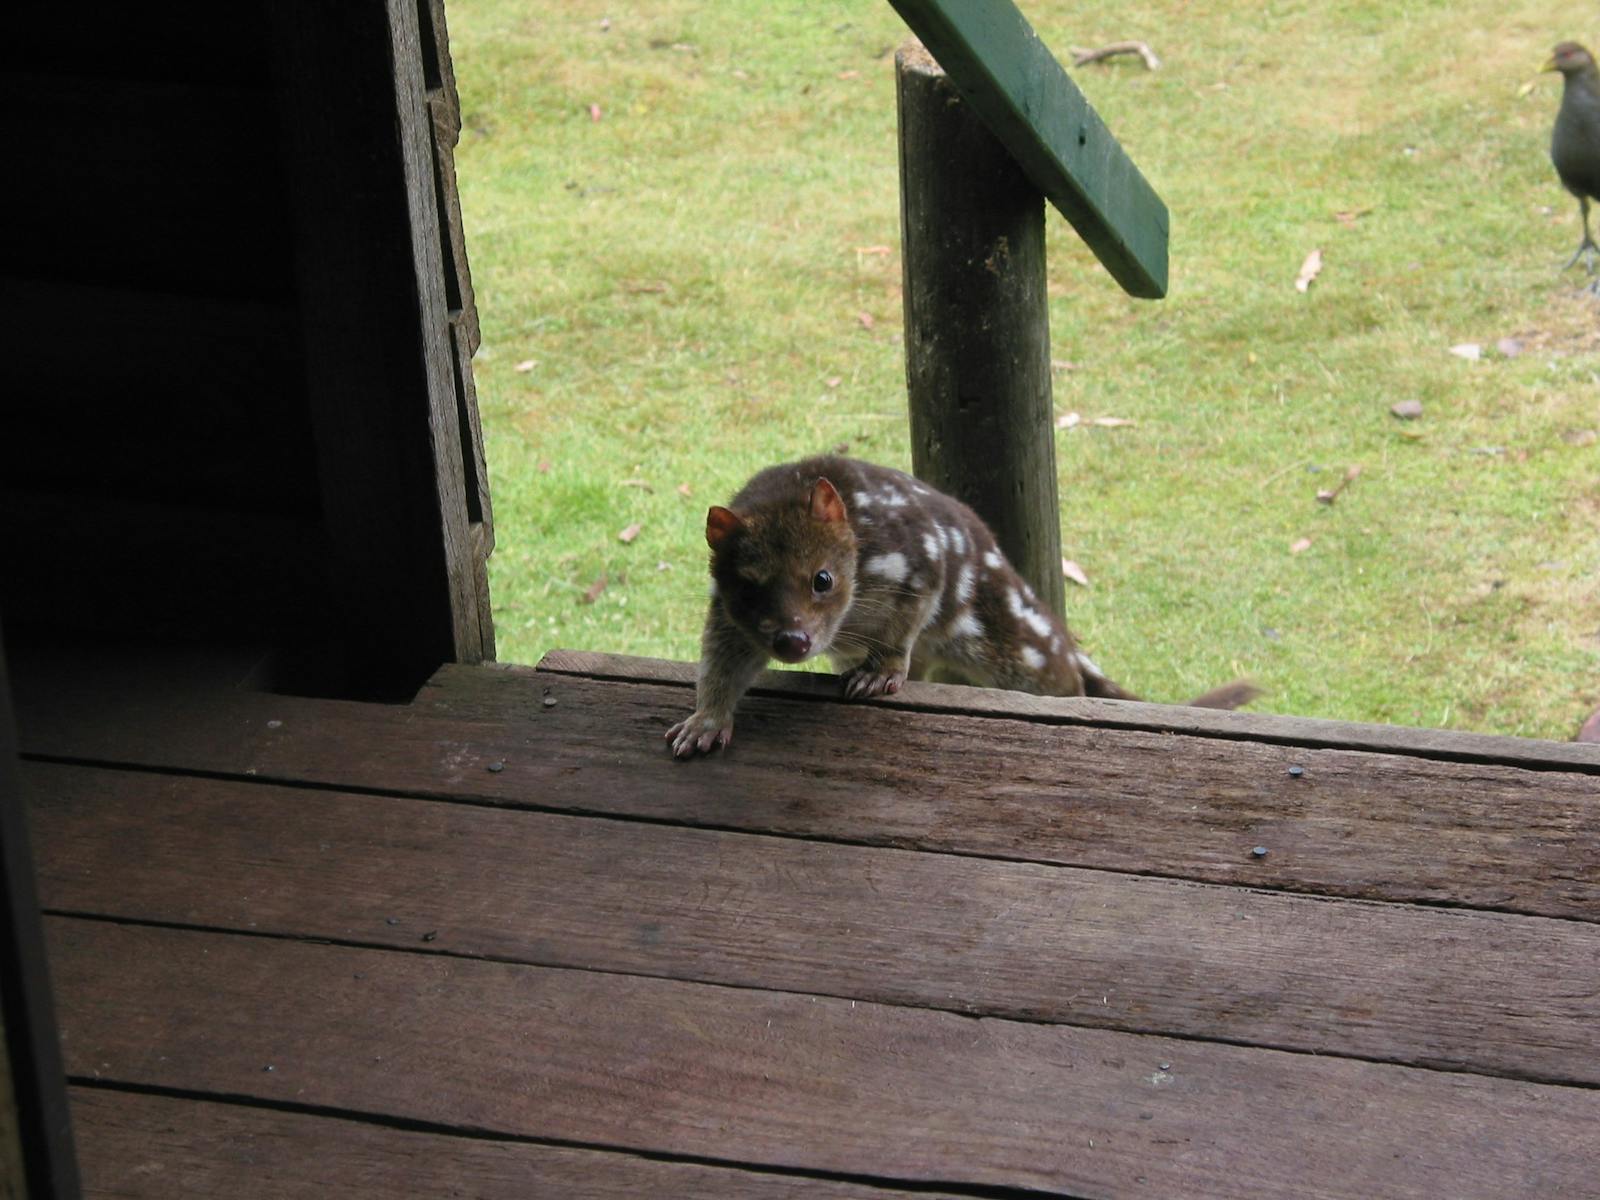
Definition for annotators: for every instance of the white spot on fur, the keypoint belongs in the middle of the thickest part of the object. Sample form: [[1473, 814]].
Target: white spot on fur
[[944, 535], [917, 583], [992, 559], [1036, 621], [964, 584], [1055, 644], [1032, 658], [958, 541], [891, 566], [966, 625], [893, 498], [862, 499], [931, 544]]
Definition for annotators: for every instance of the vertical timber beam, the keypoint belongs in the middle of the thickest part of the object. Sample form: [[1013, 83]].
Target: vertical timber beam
[[36, 1151], [977, 321], [375, 304]]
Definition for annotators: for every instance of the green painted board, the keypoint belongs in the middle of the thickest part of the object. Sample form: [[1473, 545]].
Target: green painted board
[[1013, 82]]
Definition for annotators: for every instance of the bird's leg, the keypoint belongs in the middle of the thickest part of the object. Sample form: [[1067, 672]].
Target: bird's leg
[[1588, 251]]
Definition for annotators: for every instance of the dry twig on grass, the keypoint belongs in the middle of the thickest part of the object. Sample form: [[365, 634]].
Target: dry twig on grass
[[1081, 56]]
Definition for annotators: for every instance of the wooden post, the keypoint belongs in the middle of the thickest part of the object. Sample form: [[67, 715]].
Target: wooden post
[[36, 1151], [977, 322]]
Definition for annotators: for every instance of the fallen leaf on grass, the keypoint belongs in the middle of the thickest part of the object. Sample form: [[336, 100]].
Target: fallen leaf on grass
[[644, 289], [1407, 410], [834, 381], [841, 448], [526, 365], [1508, 347], [1063, 364], [631, 532], [1068, 421], [544, 466], [866, 320], [1309, 270], [1470, 351], [592, 592], [594, 112], [1112, 422], [1074, 572], [880, 250], [637, 483], [1300, 546], [685, 490], [1580, 437], [1352, 215]]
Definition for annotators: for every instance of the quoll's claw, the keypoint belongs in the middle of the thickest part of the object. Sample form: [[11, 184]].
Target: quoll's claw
[[862, 684], [699, 734]]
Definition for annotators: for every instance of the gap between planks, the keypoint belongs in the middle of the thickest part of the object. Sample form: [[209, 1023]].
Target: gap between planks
[[157, 1143]]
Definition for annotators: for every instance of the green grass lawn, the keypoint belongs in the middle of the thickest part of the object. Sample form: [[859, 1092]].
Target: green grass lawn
[[703, 270]]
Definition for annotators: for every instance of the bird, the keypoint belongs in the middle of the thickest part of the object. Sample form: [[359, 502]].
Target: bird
[[1575, 140]]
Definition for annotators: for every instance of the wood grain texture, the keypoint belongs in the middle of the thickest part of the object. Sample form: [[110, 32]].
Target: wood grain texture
[[783, 1080], [1370, 826], [1472, 991], [977, 322], [152, 1147], [1118, 714], [1025, 97]]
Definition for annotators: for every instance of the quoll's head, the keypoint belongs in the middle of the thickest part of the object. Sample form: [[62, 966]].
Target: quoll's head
[[785, 575]]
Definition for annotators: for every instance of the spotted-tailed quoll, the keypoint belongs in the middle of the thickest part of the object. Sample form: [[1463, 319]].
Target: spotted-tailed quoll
[[885, 575]]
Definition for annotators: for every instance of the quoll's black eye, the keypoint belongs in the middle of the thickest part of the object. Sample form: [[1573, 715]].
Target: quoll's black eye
[[822, 581]]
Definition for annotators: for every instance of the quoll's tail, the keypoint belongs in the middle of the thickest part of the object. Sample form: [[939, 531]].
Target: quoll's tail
[[1230, 695]]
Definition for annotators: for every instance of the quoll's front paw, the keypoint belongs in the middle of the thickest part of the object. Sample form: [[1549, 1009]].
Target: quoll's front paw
[[699, 733], [865, 682]]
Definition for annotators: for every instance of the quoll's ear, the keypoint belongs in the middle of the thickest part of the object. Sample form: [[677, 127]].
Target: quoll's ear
[[721, 524], [825, 502]]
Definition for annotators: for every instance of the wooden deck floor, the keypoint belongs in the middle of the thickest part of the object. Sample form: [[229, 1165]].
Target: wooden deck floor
[[495, 943]]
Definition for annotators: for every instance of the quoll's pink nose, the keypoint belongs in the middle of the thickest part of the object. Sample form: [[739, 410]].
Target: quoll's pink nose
[[792, 645]]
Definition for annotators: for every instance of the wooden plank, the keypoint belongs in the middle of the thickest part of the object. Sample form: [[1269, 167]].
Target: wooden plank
[[1371, 826], [1019, 89], [891, 1095], [152, 1147], [1472, 991], [977, 322], [1455, 745], [382, 383]]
